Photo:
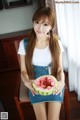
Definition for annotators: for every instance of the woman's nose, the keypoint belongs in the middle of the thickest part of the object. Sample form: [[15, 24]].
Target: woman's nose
[[40, 27]]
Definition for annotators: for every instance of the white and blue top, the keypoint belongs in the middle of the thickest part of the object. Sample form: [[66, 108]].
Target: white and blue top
[[41, 57]]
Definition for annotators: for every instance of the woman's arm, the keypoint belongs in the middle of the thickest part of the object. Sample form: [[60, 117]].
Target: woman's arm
[[24, 75], [60, 72], [60, 77]]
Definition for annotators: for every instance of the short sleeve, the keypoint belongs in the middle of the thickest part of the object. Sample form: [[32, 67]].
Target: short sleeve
[[61, 46], [22, 47]]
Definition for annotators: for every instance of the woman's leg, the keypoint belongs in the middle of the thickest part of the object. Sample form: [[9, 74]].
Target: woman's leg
[[40, 111], [54, 110]]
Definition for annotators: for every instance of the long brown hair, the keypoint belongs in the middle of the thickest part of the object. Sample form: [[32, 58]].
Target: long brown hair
[[41, 14]]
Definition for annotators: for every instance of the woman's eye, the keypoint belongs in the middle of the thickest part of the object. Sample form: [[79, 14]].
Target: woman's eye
[[45, 24], [37, 22]]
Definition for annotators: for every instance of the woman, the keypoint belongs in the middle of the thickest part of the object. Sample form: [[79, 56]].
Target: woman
[[42, 55]]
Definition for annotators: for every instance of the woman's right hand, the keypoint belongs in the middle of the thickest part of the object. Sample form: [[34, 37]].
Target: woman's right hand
[[28, 84]]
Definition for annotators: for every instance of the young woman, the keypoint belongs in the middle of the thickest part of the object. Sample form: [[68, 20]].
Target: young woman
[[42, 55]]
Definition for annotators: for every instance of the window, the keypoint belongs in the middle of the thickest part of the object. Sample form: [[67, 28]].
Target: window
[[16, 3]]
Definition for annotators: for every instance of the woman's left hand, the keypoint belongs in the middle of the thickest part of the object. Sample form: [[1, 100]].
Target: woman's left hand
[[59, 88]]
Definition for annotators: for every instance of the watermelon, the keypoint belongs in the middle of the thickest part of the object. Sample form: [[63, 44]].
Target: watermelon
[[45, 85]]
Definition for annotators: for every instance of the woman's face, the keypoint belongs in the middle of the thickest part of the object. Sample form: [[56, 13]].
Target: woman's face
[[41, 28]]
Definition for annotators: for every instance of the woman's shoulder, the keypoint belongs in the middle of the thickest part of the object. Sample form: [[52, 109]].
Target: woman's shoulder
[[24, 42], [56, 37], [22, 46], [61, 46]]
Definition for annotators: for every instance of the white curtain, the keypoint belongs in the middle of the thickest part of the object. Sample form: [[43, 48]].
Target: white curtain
[[68, 21]]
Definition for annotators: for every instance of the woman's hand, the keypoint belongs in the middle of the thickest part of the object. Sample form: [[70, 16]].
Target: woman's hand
[[28, 84], [59, 88]]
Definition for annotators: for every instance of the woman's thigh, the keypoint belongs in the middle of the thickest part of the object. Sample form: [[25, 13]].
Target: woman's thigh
[[54, 110], [40, 111]]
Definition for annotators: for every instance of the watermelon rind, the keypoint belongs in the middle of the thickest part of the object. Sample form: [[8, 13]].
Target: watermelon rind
[[43, 91]]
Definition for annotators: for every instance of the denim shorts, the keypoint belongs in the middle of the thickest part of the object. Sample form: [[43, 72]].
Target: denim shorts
[[38, 72]]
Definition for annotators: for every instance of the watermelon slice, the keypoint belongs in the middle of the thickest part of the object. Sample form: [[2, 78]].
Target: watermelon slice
[[45, 85]]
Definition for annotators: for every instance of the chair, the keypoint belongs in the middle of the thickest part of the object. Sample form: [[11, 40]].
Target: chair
[[66, 103], [21, 97]]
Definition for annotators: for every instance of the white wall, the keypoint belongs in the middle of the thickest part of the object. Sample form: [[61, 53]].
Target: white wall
[[17, 19]]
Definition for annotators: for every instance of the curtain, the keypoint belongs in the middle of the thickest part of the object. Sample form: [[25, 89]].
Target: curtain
[[68, 22], [51, 4]]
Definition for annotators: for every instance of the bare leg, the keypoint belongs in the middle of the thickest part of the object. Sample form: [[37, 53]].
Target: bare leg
[[54, 110], [40, 111]]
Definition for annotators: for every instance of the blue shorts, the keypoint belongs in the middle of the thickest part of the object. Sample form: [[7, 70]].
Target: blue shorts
[[40, 71]]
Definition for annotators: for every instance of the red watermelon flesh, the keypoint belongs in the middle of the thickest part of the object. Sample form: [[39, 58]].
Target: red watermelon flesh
[[45, 82]]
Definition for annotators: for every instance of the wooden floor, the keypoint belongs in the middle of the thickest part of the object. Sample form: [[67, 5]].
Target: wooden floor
[[8, 81]]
